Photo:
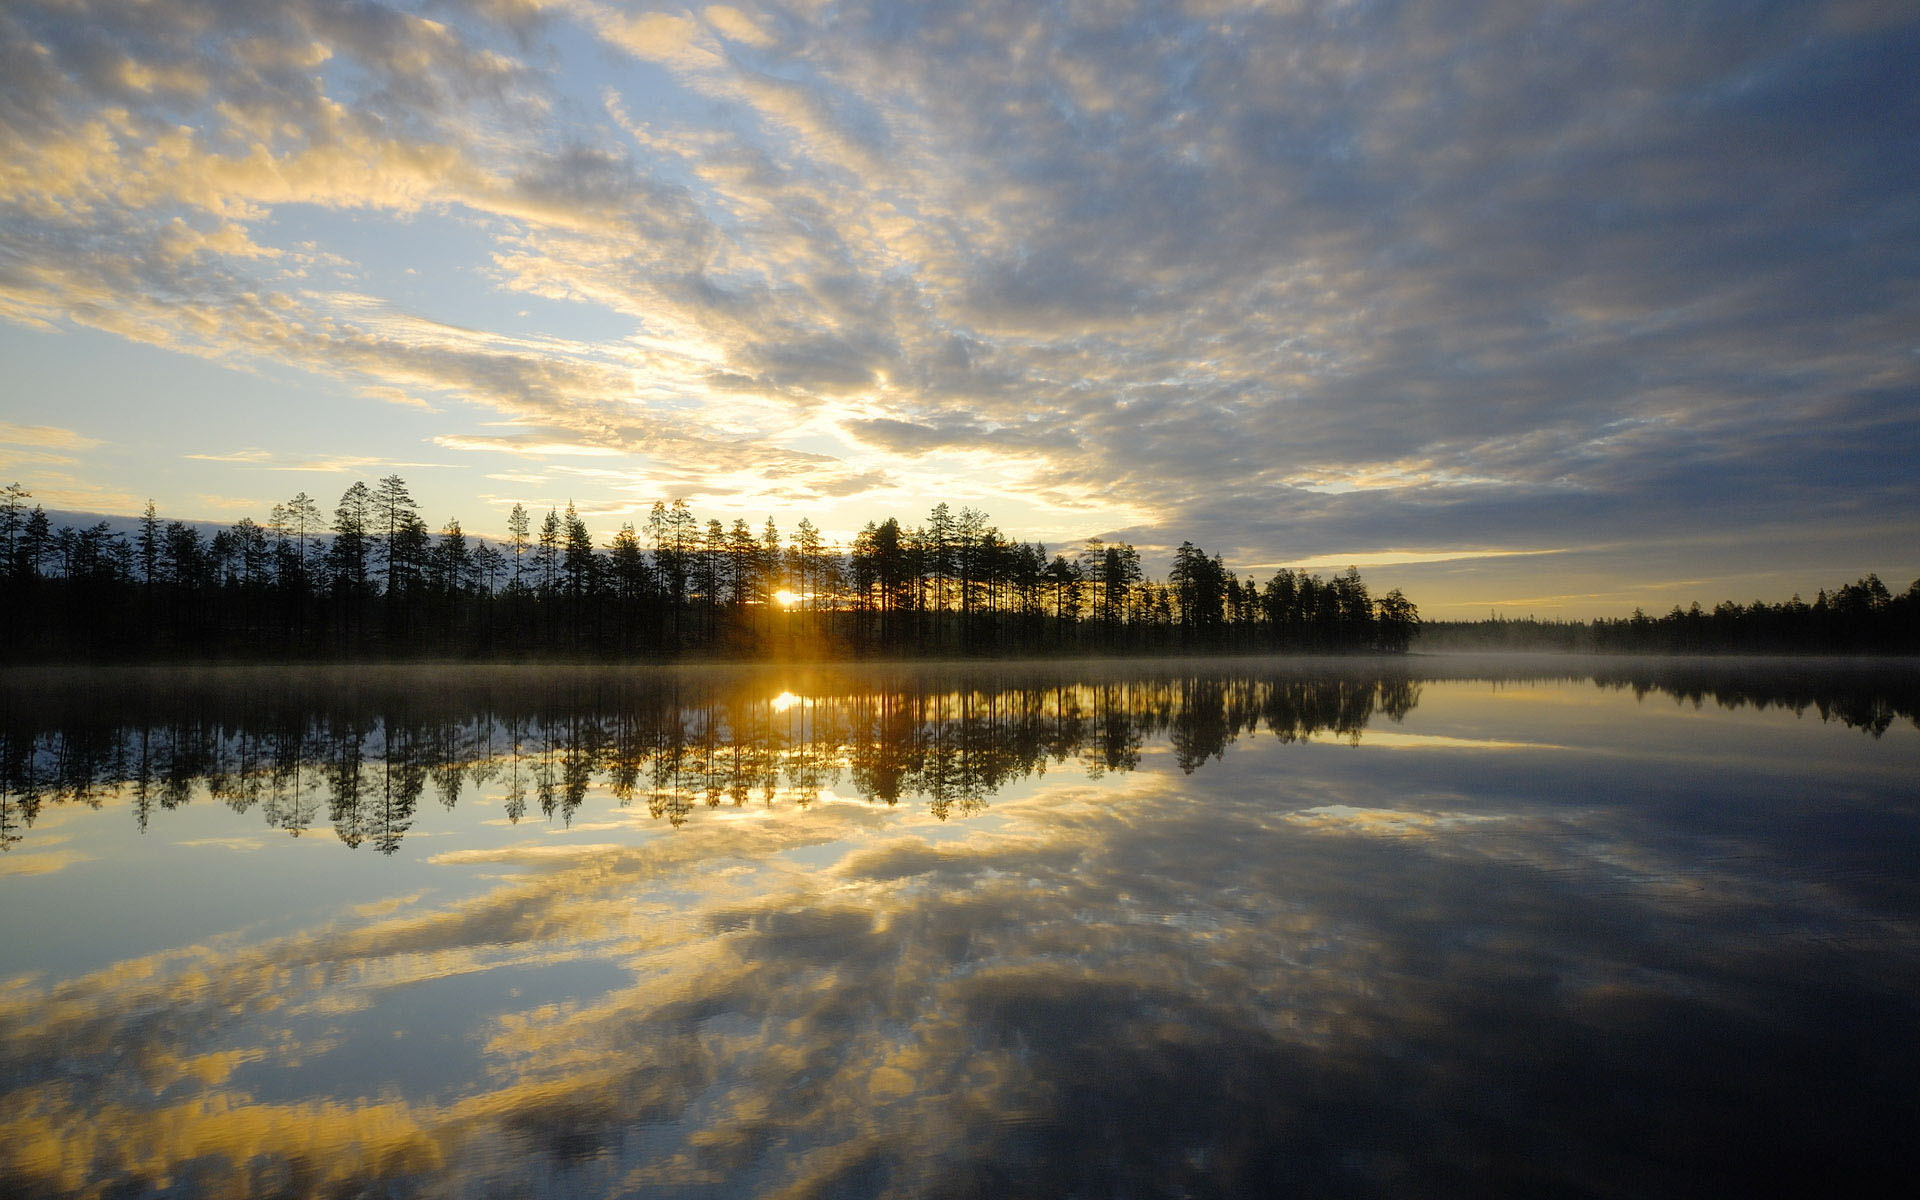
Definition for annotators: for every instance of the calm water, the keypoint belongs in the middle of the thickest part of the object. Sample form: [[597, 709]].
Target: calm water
[[1541, 927]]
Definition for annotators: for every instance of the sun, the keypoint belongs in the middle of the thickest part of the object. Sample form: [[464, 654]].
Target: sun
[[786, 598]]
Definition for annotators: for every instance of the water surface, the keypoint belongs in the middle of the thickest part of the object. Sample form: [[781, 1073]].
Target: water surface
[[1316, 928]]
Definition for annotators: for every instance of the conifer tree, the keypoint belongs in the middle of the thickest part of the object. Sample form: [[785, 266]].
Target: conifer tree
[[148, 541], [393, 518], [347, 556], [519, 531], [546, 554], [578, 562]]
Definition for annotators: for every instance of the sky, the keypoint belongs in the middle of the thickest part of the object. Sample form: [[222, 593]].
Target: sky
[[1522, 307]]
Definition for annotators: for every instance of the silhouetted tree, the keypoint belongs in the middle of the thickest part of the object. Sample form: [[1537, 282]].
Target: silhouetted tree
[[378, 583], [518, 533]]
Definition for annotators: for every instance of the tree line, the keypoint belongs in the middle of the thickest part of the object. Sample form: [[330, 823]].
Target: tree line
[[1861, 617], [372, 581]]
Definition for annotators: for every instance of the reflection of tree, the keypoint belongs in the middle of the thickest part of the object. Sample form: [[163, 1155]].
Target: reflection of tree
[[937, 763], [813, 762], [880, 733], [1118, 731], [13, 812], [450, 756], [290, 803], [577, 763], [543, 770], [143, 778], [188, 756], [289, 807], [625, 755], [342, 769], [403, 776], [516, 798], [711, 772], [1397, 698], [82, 759], [688, 741], [668, 750], [1200, 728], [11, 820]]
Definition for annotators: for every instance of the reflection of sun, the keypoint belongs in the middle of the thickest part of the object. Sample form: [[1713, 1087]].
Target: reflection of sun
[[786, 598], [784, 701]]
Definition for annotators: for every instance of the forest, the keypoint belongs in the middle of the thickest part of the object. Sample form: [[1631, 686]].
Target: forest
[[1861, 617], [371, 582]]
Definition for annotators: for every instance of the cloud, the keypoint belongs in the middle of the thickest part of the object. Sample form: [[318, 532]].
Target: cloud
[[59, 489], [1287, 280], [268, 460], [1386, 558], [47, 437], [910, 438], [528, 445], [393, 395], [735, 25], [206, 501]]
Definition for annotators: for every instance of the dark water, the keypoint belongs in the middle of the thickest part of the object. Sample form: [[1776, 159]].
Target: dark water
[[1548, 927]]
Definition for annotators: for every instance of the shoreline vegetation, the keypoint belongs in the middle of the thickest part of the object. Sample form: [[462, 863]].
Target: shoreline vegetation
[[373, 584], [1861, 617]]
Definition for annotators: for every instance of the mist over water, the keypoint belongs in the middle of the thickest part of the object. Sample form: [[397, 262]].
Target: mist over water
[[1345, 927]]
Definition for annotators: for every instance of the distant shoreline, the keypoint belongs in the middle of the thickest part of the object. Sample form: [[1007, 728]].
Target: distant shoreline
[[1146, 663]]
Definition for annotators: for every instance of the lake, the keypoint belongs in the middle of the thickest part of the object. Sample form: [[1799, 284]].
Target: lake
[[1418, 927]]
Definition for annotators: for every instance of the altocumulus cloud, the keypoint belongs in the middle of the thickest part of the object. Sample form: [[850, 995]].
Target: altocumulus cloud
[[1288, 279]]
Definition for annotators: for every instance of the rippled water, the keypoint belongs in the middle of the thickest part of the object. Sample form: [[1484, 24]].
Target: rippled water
[[1543, 927]]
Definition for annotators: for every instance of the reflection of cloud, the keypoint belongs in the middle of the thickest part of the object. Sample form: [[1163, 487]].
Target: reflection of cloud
[[1107, 983], [1382, 822], [243, 844], [522, 855], [41, 862], [1395, 740]]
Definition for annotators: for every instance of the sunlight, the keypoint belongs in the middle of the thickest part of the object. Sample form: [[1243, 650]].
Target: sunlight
[[786, 598], [784, 701]]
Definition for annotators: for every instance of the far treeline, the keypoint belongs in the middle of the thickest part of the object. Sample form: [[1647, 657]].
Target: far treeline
[[1862, 617], [372, 582]]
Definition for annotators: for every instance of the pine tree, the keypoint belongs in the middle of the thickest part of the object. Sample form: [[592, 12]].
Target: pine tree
[[300, 517], [453, 563], [546, 554], [148, 542], [36, 542], [519, 532], [12, 524], [393, 514], [579, 561], [347, 556]]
